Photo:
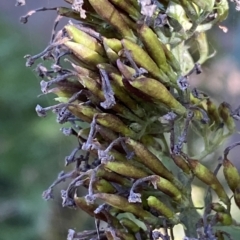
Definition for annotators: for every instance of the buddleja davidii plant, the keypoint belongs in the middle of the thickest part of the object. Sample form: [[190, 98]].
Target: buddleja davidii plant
[[130, 64]]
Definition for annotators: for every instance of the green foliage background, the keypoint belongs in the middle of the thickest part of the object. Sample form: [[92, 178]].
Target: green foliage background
[[33, 149]]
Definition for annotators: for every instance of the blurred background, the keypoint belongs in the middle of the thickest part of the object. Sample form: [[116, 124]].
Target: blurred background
[[33, 149]]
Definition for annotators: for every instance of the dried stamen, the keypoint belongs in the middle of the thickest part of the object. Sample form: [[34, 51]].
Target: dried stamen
[[71, 158], [139, 71], [45, 85], [136, 197], [24, 19], [183, 137], [89, 143], [107, 91], [104, 155], [31, 59]]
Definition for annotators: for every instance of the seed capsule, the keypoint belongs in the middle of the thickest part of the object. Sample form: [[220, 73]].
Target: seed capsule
[[114, 123], [125, 70], [213, 112], [89, 208], [130, 225], [231, 174], [120, 92], [83, 133], [155, 50], [161, 208], [83, 38], [236, 196], [205, 175], [112, 43], [86, 72], [112, 56], [171, 60], [224, 218], [225, 114], [123, 204], [127, 7], [85, 54], [95, 89], [158, 92], [131, 23], [169, 189], [125, 169], [82, 111], [149, 159], [113, 177], [144, 60], [104, 186], [181, 163], [153, 45], [217, 207], [111, 15], [106, 133]]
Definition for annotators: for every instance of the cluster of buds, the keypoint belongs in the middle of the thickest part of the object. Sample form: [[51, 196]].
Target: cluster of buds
[[127, 97]]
